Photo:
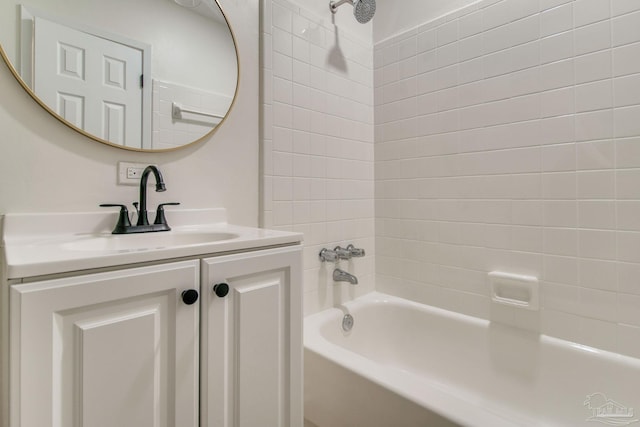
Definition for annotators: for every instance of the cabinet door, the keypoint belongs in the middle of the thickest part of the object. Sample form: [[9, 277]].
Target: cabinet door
[[251, 363], [105, 350]]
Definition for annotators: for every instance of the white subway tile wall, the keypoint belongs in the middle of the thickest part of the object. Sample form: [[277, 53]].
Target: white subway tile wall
[[507, 137], [171, 133], [317, 143]]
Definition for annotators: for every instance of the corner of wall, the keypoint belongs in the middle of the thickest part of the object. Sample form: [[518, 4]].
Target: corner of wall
[[317, 142]]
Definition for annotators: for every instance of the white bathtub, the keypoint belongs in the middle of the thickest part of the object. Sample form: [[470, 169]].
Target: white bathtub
[[407, 364]]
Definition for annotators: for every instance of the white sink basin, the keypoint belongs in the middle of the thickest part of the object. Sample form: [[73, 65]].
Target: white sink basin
[[145, 241], [43, 244]]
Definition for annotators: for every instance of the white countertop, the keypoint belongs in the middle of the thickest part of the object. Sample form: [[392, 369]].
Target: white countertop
[[44, 244]]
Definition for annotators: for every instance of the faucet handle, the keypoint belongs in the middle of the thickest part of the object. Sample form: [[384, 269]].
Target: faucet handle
[[342, 253], [355, 252], [327, 255], [160, 218], [123, 219]]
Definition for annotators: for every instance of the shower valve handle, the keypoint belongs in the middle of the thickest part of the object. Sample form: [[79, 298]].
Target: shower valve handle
[[342, 253], [327, 255], [355, 252]]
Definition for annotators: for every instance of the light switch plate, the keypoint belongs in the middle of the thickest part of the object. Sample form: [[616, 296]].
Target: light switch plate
[[129, 173]]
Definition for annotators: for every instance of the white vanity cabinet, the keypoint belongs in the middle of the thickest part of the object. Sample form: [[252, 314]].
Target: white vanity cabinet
[[119, 348], [251, 337], [104, 330]]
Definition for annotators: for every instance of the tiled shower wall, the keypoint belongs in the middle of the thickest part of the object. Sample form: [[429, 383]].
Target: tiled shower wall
[[507, 137], [317, 144]]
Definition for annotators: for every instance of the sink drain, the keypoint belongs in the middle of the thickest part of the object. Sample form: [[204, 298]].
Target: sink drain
[[347, 322]]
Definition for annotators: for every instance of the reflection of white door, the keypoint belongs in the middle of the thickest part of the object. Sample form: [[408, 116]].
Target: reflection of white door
[[92, 82]]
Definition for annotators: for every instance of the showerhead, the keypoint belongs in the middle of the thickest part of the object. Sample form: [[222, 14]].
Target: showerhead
[[363, 10]]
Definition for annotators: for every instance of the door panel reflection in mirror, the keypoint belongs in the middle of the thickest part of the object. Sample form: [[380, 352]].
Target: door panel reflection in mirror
[[105, 55], [92, 82]]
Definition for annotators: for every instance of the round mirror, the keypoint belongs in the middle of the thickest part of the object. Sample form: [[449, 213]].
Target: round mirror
[[144, 75]]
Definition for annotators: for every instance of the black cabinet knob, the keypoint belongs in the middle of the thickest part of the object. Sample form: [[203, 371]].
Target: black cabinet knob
[[221, 289], [190, 296]]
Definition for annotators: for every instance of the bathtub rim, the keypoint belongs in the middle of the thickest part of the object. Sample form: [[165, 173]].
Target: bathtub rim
[[432, 396]]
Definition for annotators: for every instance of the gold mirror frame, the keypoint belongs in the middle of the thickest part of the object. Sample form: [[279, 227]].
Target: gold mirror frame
[[207, 135]]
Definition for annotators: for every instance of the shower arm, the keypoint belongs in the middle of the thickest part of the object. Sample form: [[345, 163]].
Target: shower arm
[[335, 4]]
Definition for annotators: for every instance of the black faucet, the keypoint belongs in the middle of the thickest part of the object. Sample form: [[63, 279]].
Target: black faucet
[[142, 226], [142, 212]]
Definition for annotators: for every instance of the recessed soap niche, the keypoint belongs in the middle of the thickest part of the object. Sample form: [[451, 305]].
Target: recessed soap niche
[[515, 290]]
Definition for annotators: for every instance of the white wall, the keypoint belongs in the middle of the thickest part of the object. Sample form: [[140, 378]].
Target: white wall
[[317, 144], [507, 138], [343, 19], [396, 17], [392, 17], [45, 166]]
